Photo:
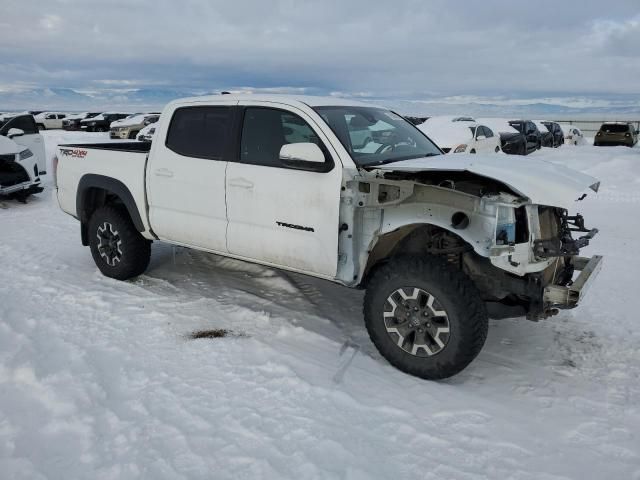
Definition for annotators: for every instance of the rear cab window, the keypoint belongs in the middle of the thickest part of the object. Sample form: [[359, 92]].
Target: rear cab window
[[200, 132], [615, 128]]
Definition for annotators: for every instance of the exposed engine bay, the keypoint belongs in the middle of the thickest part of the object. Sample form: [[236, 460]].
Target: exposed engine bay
[[514, 251]]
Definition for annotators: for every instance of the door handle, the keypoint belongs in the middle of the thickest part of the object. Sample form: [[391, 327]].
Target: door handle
[[163, 172], [241, 183]]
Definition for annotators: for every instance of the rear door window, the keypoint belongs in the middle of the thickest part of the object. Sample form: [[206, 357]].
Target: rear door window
[[201, 132]]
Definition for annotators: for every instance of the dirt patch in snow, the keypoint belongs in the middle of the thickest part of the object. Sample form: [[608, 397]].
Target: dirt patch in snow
[[214, 333]]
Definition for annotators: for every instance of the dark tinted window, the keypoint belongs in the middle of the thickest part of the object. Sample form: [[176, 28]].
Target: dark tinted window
[[23, 122], [266, 130], [201, 132], [615, 128], [487, 132]]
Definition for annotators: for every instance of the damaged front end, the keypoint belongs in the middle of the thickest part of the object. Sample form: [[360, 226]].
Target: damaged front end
[[564, 281], [521, 254], [565, 290]]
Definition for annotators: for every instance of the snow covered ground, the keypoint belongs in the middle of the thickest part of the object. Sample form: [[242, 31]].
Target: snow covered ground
[[99, 378]]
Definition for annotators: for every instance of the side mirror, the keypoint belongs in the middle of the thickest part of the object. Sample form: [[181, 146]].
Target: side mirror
[[15, 132], [301, 152], [481, 137]]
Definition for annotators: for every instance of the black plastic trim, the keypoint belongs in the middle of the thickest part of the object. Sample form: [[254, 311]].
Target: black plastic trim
[[113, 186], [134, 147]]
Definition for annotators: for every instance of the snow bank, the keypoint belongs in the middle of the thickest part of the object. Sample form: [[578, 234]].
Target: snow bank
[[99, 379]]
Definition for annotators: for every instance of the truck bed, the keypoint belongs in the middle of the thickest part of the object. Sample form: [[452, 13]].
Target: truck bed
[[101, 165]]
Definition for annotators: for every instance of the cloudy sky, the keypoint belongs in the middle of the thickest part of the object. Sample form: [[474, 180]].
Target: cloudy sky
[[407, 49]]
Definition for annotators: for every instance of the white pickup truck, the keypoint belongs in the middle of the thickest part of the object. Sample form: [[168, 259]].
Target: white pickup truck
[[440, 243]]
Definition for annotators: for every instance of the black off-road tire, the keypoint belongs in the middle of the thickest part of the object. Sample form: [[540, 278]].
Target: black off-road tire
[[134, 251], [454, 293]]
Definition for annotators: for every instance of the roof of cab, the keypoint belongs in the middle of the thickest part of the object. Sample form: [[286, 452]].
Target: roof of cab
[[309, 100]]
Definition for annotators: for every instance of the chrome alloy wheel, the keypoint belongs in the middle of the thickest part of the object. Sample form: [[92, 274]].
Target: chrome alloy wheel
[[416, 322], [109, 244]]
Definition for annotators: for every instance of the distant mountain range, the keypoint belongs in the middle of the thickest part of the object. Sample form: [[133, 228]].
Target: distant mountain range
[[95, 99], [152, 99]]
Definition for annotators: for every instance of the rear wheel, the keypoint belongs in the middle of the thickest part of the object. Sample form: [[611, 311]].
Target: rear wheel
[[118, 249], [425, 317]]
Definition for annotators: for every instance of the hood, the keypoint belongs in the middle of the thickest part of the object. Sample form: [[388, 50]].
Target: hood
[[127, 122], [92, 119], [9, 147], [511, 135], [542, 182], [77, 116]]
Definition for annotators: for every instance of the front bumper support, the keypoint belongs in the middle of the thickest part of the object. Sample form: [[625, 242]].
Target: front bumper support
[[557, 296]]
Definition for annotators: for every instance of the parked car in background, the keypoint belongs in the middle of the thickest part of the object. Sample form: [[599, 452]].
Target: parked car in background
[[128, 127], [146, 134], [49, 120], [453, 135], [546, 137], [573, 135], [512, 141], [530, 132], [22, 157], [556, 132], [616, 133], [101, 122], [72, 122]]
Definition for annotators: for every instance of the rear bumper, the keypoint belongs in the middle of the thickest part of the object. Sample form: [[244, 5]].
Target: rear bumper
[[563, 297], [613, 143]]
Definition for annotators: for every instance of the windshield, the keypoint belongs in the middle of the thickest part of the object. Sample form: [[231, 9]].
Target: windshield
[[374, 136]]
